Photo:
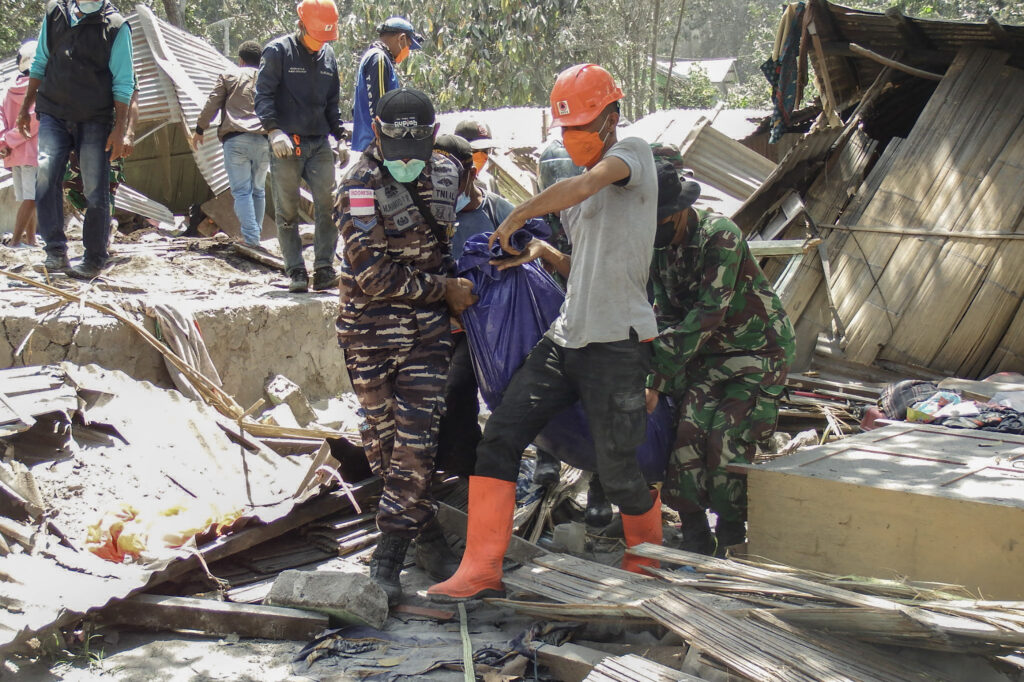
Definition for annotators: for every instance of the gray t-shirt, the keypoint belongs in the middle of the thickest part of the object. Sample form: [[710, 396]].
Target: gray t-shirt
[[612, 236]]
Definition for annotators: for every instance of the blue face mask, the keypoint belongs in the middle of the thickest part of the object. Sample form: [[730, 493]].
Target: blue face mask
[[461, 202], [88, 7], [405, 171]]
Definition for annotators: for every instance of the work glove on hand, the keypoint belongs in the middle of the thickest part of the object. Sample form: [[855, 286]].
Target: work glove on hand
[[282, 146]]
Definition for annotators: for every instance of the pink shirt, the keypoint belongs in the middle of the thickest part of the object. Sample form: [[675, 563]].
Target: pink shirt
[[23, 150]]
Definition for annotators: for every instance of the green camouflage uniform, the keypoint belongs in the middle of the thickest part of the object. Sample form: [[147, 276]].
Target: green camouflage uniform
[[723, 350]]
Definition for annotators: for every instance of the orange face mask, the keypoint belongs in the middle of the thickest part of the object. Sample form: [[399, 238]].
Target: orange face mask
[[479, 160], [402, 55], [584, 146], [313, 45]]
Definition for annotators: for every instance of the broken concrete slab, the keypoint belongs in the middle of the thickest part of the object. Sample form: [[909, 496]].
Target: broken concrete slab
[[282, 390], [348, 597]]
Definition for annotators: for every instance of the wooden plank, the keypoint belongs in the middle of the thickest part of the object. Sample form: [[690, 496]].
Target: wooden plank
[[878, 532], [633, 668], [569, 662], [157, 612], [895, 195], [761, 652], [780, 247]]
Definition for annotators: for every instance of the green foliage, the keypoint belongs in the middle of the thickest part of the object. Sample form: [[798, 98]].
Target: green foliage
[[696, 91], [21, 21]]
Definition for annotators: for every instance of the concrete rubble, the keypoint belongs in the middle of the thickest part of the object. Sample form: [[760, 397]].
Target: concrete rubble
[[351, 598], [271, 501]]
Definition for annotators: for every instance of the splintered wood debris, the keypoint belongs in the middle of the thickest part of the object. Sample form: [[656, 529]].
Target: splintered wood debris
[[772, 622]]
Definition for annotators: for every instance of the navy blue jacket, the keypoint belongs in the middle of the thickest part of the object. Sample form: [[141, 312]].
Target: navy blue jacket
[[297, 91]]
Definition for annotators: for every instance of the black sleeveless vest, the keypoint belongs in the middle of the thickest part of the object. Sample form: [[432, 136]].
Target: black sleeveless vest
[[78, 85]]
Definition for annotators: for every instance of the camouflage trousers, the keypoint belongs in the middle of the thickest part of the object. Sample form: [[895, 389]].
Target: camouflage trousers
[[401, 391], [728, 406]]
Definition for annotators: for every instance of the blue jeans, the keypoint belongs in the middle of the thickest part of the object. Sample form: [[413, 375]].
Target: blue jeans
[[316, 167], [247, 160], [56, 140]]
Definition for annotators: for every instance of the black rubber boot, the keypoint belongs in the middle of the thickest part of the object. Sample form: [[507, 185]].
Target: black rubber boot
[[300, 281], [433, 554], [729, 534], [697, 533], [599, 509], [548, 470], [386, 564]]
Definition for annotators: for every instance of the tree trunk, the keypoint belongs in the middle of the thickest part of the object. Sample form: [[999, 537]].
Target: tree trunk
[[652, 103], [174, 13], [672, 58]]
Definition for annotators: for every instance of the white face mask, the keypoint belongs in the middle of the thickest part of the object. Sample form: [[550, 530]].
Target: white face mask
[[90, 6]]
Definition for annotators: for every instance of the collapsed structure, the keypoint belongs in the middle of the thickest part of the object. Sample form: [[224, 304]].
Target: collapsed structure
[[890, 230]]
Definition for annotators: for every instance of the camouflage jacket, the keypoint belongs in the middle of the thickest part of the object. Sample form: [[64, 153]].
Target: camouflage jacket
[[392, 280], [712, 299]]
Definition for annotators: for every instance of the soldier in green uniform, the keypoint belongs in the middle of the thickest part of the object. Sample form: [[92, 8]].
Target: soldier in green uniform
[[722, 353]]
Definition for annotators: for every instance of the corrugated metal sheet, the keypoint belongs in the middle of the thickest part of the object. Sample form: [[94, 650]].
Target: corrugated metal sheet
[[717, 70], [191, 66], [516, 127]]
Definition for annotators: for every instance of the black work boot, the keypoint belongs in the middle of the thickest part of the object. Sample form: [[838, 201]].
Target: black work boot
[[433, 554], [86, 270], [548, 470], [386, 564], [300, 281], [599, 509], [56, 262], [697, 533], [729, 534], [324, 278]]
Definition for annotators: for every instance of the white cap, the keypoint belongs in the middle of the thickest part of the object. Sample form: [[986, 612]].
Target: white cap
[[26, 54]]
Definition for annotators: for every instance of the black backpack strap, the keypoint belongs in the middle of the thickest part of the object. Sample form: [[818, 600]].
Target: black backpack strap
[[440, 234]]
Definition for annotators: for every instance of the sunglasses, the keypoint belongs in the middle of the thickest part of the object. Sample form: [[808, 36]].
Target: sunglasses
[[397, 132]]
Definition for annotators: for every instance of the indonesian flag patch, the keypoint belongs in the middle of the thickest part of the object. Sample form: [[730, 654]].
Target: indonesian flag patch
[[361, 202]]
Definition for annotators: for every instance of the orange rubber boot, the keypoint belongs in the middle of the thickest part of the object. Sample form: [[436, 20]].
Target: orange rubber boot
[[491, 505], [640, 529]]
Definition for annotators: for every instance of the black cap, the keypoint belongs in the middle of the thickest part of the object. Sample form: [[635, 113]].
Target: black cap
[[456, 147], [673, 195], [406, 106], [477, 134]]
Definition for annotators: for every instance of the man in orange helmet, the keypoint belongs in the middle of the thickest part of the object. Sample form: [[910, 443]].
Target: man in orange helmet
[[297, 93], [595, 351]]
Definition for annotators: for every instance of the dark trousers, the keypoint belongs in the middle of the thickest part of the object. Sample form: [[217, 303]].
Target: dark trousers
[[57, 138], [608, 378], [460, 425]]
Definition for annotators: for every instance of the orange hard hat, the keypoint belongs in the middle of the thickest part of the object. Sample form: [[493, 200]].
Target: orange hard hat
[[580, 94], [320, 19]]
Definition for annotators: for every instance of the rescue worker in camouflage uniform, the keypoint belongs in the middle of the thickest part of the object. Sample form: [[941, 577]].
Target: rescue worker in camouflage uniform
[[395, 212], [723, 349]]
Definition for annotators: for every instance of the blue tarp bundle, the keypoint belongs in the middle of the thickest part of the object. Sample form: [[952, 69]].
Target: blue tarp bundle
[[514, 310]]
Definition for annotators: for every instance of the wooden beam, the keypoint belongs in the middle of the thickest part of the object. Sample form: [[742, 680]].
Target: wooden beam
[[569, 662], [899, 66], [829, 102], [1000, 35], [259, 255], [911, 32], [211, 617], [781, 247], [926, 232]]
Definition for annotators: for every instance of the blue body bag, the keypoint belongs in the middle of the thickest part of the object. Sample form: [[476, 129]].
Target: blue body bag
[[514, 310]]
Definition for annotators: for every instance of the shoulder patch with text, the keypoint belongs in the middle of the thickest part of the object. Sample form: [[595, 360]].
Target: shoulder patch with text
[[361, 202]]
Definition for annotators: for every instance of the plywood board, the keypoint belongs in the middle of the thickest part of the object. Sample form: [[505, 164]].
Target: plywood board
[[922, 502]]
